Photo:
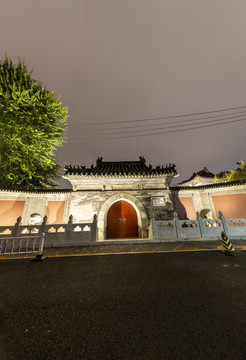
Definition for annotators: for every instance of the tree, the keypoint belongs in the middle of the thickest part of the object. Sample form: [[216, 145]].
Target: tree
[[32, 126], [233, 175]]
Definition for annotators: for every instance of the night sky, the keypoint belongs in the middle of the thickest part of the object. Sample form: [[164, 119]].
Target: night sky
[[116, 61]]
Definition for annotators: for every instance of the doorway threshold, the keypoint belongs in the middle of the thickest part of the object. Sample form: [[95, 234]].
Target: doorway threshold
[[127, 241]]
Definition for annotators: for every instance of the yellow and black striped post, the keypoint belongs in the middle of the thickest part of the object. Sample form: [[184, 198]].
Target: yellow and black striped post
[[229, 249]]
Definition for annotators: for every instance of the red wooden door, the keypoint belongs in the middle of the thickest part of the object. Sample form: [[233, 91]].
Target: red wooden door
[[122, 221]]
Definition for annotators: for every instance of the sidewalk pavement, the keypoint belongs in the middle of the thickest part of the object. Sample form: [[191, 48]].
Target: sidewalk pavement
[[140, 248]]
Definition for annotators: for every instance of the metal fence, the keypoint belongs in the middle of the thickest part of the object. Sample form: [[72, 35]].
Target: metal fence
[[22, 245]]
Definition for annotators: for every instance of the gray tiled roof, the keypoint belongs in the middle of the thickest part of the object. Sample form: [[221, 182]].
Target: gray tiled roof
[[204, 173], [210, 186], [123, 168]]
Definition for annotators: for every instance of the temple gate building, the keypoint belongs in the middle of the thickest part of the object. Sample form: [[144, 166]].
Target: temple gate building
[[124, 195]]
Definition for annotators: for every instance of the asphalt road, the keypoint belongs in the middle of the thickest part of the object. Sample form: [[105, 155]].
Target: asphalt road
[[143, 306]]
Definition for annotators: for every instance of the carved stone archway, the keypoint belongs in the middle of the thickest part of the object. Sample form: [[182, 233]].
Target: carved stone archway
[[140, 210]]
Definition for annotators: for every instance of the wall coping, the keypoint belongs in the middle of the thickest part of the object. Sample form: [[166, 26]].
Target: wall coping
[[37, 191], [209, 186], [174, 188]]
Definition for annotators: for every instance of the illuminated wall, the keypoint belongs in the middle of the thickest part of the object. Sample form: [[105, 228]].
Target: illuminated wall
[[233, 205], [10, 210], [231, 200], [83, 204], [55, 212], [185, 208]]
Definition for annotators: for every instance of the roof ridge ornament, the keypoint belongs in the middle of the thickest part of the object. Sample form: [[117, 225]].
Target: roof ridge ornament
[[99, 160], [142, 160]]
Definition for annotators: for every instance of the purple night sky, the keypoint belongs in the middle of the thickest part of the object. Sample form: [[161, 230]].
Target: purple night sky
[[115, 61]]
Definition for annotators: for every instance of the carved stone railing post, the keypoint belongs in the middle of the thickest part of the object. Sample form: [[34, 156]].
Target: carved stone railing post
[[150, 227], [69, 228], [224, 222], [16, 229], [177, 226], [43, 225], [154, 229], [70, 222], [94, 229], [201, 224]]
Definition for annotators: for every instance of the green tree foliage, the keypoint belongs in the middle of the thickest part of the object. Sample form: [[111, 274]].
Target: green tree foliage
[[32, 126], [232, 175]]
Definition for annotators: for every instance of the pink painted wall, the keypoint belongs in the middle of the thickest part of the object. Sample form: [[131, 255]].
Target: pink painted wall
[[233, 206], [55, 212], [185, 208], [10, 210]]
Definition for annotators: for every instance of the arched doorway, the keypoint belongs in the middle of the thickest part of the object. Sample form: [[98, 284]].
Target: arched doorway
[[122, 221]]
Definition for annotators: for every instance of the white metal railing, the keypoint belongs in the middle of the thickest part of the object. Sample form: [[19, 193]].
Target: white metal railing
[[22, 245]]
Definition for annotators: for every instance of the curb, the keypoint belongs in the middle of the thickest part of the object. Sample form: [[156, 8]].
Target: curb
[[50, 255]]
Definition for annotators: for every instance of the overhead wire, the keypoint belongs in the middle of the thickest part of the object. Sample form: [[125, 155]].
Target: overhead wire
[[135, 130], [165, 127], [178, 130], [159, 118], [158, 133], [173, 121]]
